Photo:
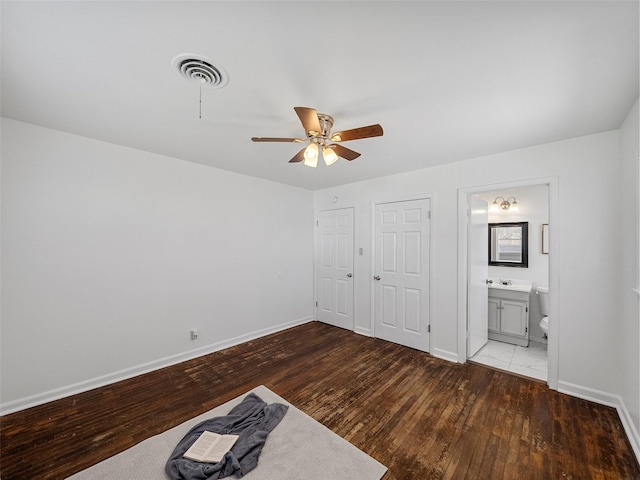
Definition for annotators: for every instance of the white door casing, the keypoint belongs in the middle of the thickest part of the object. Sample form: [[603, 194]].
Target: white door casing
[[334, 267], [478, 265], [401, 273], [463, 283]]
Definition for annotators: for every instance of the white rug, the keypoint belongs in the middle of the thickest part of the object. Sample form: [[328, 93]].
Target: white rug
[[299, 448]]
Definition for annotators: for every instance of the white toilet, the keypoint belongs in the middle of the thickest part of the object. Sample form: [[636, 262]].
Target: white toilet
[[543, 295]]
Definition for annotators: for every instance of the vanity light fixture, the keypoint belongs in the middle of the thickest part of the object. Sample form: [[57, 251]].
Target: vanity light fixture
[[509, 205]]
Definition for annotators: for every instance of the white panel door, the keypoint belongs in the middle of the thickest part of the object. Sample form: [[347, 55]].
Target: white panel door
[[334, 267], [478, 271], [401, 273]]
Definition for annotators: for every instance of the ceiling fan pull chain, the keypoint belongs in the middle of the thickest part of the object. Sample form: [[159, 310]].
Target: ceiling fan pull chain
[[200, 114]]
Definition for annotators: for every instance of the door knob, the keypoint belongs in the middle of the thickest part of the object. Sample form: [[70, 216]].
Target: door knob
[[349, 275], [377, 277]]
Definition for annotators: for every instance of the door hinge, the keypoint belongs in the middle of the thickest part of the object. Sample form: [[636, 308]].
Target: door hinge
[[316, 304], [317, 223], [526, 329], [468, 212], [429, 214], [428, 328], [526, 309]]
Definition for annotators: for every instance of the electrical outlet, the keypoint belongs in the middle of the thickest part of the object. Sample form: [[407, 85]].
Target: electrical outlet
[[194, 334]]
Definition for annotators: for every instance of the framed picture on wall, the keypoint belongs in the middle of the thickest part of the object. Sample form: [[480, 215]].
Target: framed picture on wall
[[545, 238]]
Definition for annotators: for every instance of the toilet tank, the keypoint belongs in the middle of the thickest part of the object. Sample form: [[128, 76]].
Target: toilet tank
[[543, 295]]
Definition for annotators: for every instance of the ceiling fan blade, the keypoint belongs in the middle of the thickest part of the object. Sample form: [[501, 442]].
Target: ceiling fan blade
[[356, 133], [309, 119], [344, 152], [298, 157], [276, 139]]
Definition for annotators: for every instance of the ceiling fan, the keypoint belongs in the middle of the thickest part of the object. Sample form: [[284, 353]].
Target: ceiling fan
[[317, 127]]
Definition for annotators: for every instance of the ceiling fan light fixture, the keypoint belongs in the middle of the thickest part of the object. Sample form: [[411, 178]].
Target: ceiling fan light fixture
[[317, 128], [311, 155], [329, 156]]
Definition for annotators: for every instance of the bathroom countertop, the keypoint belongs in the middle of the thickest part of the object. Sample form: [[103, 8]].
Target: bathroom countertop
[[514, 286]]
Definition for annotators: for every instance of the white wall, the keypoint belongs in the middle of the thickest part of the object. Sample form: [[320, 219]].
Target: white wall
[[110, 256], [533, 203], [587, 170], [629, 334]]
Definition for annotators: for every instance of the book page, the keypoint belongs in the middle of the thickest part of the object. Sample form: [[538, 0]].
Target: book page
[[222, 446], [210, 447], [201, 446]]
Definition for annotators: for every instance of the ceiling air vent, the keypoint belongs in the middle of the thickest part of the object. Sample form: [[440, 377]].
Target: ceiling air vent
[[199, 69]]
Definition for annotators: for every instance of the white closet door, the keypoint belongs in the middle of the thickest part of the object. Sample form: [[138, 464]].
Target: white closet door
[[334, 267], [401, 273]]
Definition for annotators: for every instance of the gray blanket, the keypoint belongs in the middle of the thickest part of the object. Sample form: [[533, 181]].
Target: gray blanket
[[252, 420]]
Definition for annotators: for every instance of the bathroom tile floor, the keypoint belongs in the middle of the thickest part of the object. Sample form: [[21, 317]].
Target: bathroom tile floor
[[529, 361]]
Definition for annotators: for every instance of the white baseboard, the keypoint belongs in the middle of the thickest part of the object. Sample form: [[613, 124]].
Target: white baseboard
[[58, 393], [590, 394], [445, 355], [629, 427], [609, 400]]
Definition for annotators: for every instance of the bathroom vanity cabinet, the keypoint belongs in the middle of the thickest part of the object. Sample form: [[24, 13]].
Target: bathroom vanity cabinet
[[509, 316]]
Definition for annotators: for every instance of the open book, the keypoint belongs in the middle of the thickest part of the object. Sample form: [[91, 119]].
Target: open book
[[210, 447]]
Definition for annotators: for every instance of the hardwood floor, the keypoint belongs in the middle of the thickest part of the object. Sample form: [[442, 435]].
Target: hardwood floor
[[422, 417]]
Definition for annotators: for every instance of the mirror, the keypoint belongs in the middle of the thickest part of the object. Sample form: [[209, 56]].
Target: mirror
[[509, 244]]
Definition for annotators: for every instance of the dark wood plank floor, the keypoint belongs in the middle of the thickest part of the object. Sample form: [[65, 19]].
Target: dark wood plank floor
[[422, 417]]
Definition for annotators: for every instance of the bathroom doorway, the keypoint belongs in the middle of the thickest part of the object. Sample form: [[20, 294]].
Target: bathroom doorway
[[532, 353]]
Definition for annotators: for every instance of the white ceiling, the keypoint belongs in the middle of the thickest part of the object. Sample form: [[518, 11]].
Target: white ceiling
[[447, 80]]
